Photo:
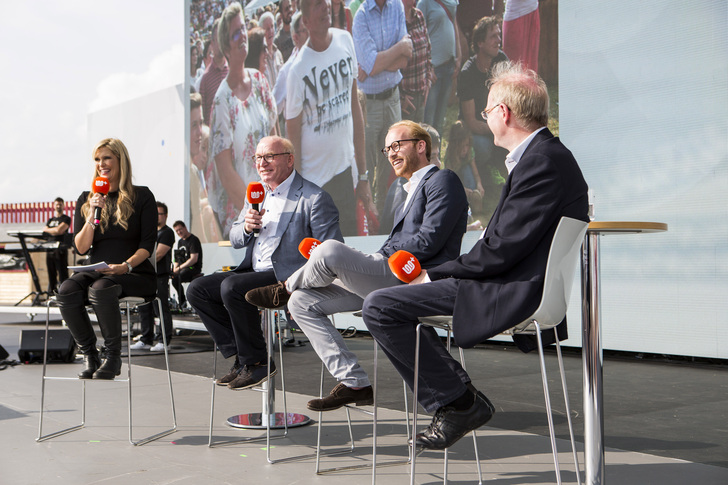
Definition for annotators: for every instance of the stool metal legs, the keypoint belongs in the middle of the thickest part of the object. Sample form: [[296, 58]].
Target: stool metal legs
[[42, 437], [443, 326], [268, 418], [133, 302], [547, 399], [129, 302], [374, 416]]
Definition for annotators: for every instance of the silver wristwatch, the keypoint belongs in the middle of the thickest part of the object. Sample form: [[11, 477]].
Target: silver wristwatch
[[129, 266]]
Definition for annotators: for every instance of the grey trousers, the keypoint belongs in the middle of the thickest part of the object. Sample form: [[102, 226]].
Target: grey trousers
[[336, 279]]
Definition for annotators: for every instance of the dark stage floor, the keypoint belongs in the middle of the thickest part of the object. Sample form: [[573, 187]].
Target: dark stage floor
[[669, 408]]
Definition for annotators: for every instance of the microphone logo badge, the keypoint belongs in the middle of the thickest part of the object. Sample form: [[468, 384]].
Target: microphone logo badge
[[314, 245], [409, 266], [256, 195], [99, 183]]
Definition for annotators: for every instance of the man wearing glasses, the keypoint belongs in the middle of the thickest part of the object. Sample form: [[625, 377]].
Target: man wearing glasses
[[498, 283], [292, 210], [429, 223]]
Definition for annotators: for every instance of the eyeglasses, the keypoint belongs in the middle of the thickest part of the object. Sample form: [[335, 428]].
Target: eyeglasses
[[485, 112], [394, 147], [268, 157]]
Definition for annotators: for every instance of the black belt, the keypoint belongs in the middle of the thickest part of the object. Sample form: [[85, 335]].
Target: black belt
[[383, 95]]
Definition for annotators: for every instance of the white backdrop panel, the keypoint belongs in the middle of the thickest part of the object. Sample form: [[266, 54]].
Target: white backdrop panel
[[643, 106], [152, 128]]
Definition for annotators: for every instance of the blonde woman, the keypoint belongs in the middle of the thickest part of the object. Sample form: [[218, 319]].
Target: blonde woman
[[124, 239]]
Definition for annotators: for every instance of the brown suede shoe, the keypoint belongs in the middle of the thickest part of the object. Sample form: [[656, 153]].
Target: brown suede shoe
[[230, 376], [252, 375], [341, 395], [271, 296]]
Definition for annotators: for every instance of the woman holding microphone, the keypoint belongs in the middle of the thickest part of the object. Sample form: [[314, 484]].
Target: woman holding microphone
[[123, 238]]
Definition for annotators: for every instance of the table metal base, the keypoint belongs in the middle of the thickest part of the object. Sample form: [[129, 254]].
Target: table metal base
[[255, 421]]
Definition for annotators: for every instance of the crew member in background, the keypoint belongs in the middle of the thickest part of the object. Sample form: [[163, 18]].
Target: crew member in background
[[165, 242], [57, 259], [187, 259]]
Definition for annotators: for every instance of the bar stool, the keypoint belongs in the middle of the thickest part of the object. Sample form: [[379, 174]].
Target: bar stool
[[444, 323], [128, 304], [267, 418], [373, 413], [560, 268]]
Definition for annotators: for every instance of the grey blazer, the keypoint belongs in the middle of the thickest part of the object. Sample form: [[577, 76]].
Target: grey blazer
[[309, 211]]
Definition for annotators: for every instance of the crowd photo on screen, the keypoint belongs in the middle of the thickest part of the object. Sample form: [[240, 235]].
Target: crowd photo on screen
[[257, 68]]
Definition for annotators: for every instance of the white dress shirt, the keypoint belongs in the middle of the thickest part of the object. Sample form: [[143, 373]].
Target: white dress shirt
[[266, 242], [515, 155], [413, 182]]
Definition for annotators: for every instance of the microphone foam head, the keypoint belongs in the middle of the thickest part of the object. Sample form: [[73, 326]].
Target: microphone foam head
[[100, 185], [404, 265], [256, 193], [307, 245]]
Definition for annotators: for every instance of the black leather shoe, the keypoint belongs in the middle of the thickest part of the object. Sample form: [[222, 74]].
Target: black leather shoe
[[271, 296], [449, 425], [91, 362], [341, 395]]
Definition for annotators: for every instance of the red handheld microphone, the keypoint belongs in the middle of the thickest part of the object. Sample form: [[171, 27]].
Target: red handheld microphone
[[404, 266], [100, 186], [256, 195], [307, 245]]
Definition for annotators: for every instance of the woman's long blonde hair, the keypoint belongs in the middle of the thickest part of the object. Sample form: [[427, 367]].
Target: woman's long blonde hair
[[124, 207]]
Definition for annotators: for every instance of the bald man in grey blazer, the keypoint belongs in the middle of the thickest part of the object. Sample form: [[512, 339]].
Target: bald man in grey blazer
[[293, 209]]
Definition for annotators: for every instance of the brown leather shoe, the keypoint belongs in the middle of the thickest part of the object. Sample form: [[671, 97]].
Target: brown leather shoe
[[230, 376], [271, 296], [252, 375], [341, 395]]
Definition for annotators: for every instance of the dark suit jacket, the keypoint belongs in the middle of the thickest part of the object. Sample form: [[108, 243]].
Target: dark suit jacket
[[501, 278], [309, 211], [396, 196], [432, 226]]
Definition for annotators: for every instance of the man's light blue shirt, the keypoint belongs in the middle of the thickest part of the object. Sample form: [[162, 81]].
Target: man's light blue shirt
[[376, 30]]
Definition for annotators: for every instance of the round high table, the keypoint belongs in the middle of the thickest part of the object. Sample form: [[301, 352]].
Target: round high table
[[592, 339], [268, 417]]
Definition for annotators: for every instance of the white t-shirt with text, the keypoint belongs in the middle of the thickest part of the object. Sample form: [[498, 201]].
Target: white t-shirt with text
[[319, 88]]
